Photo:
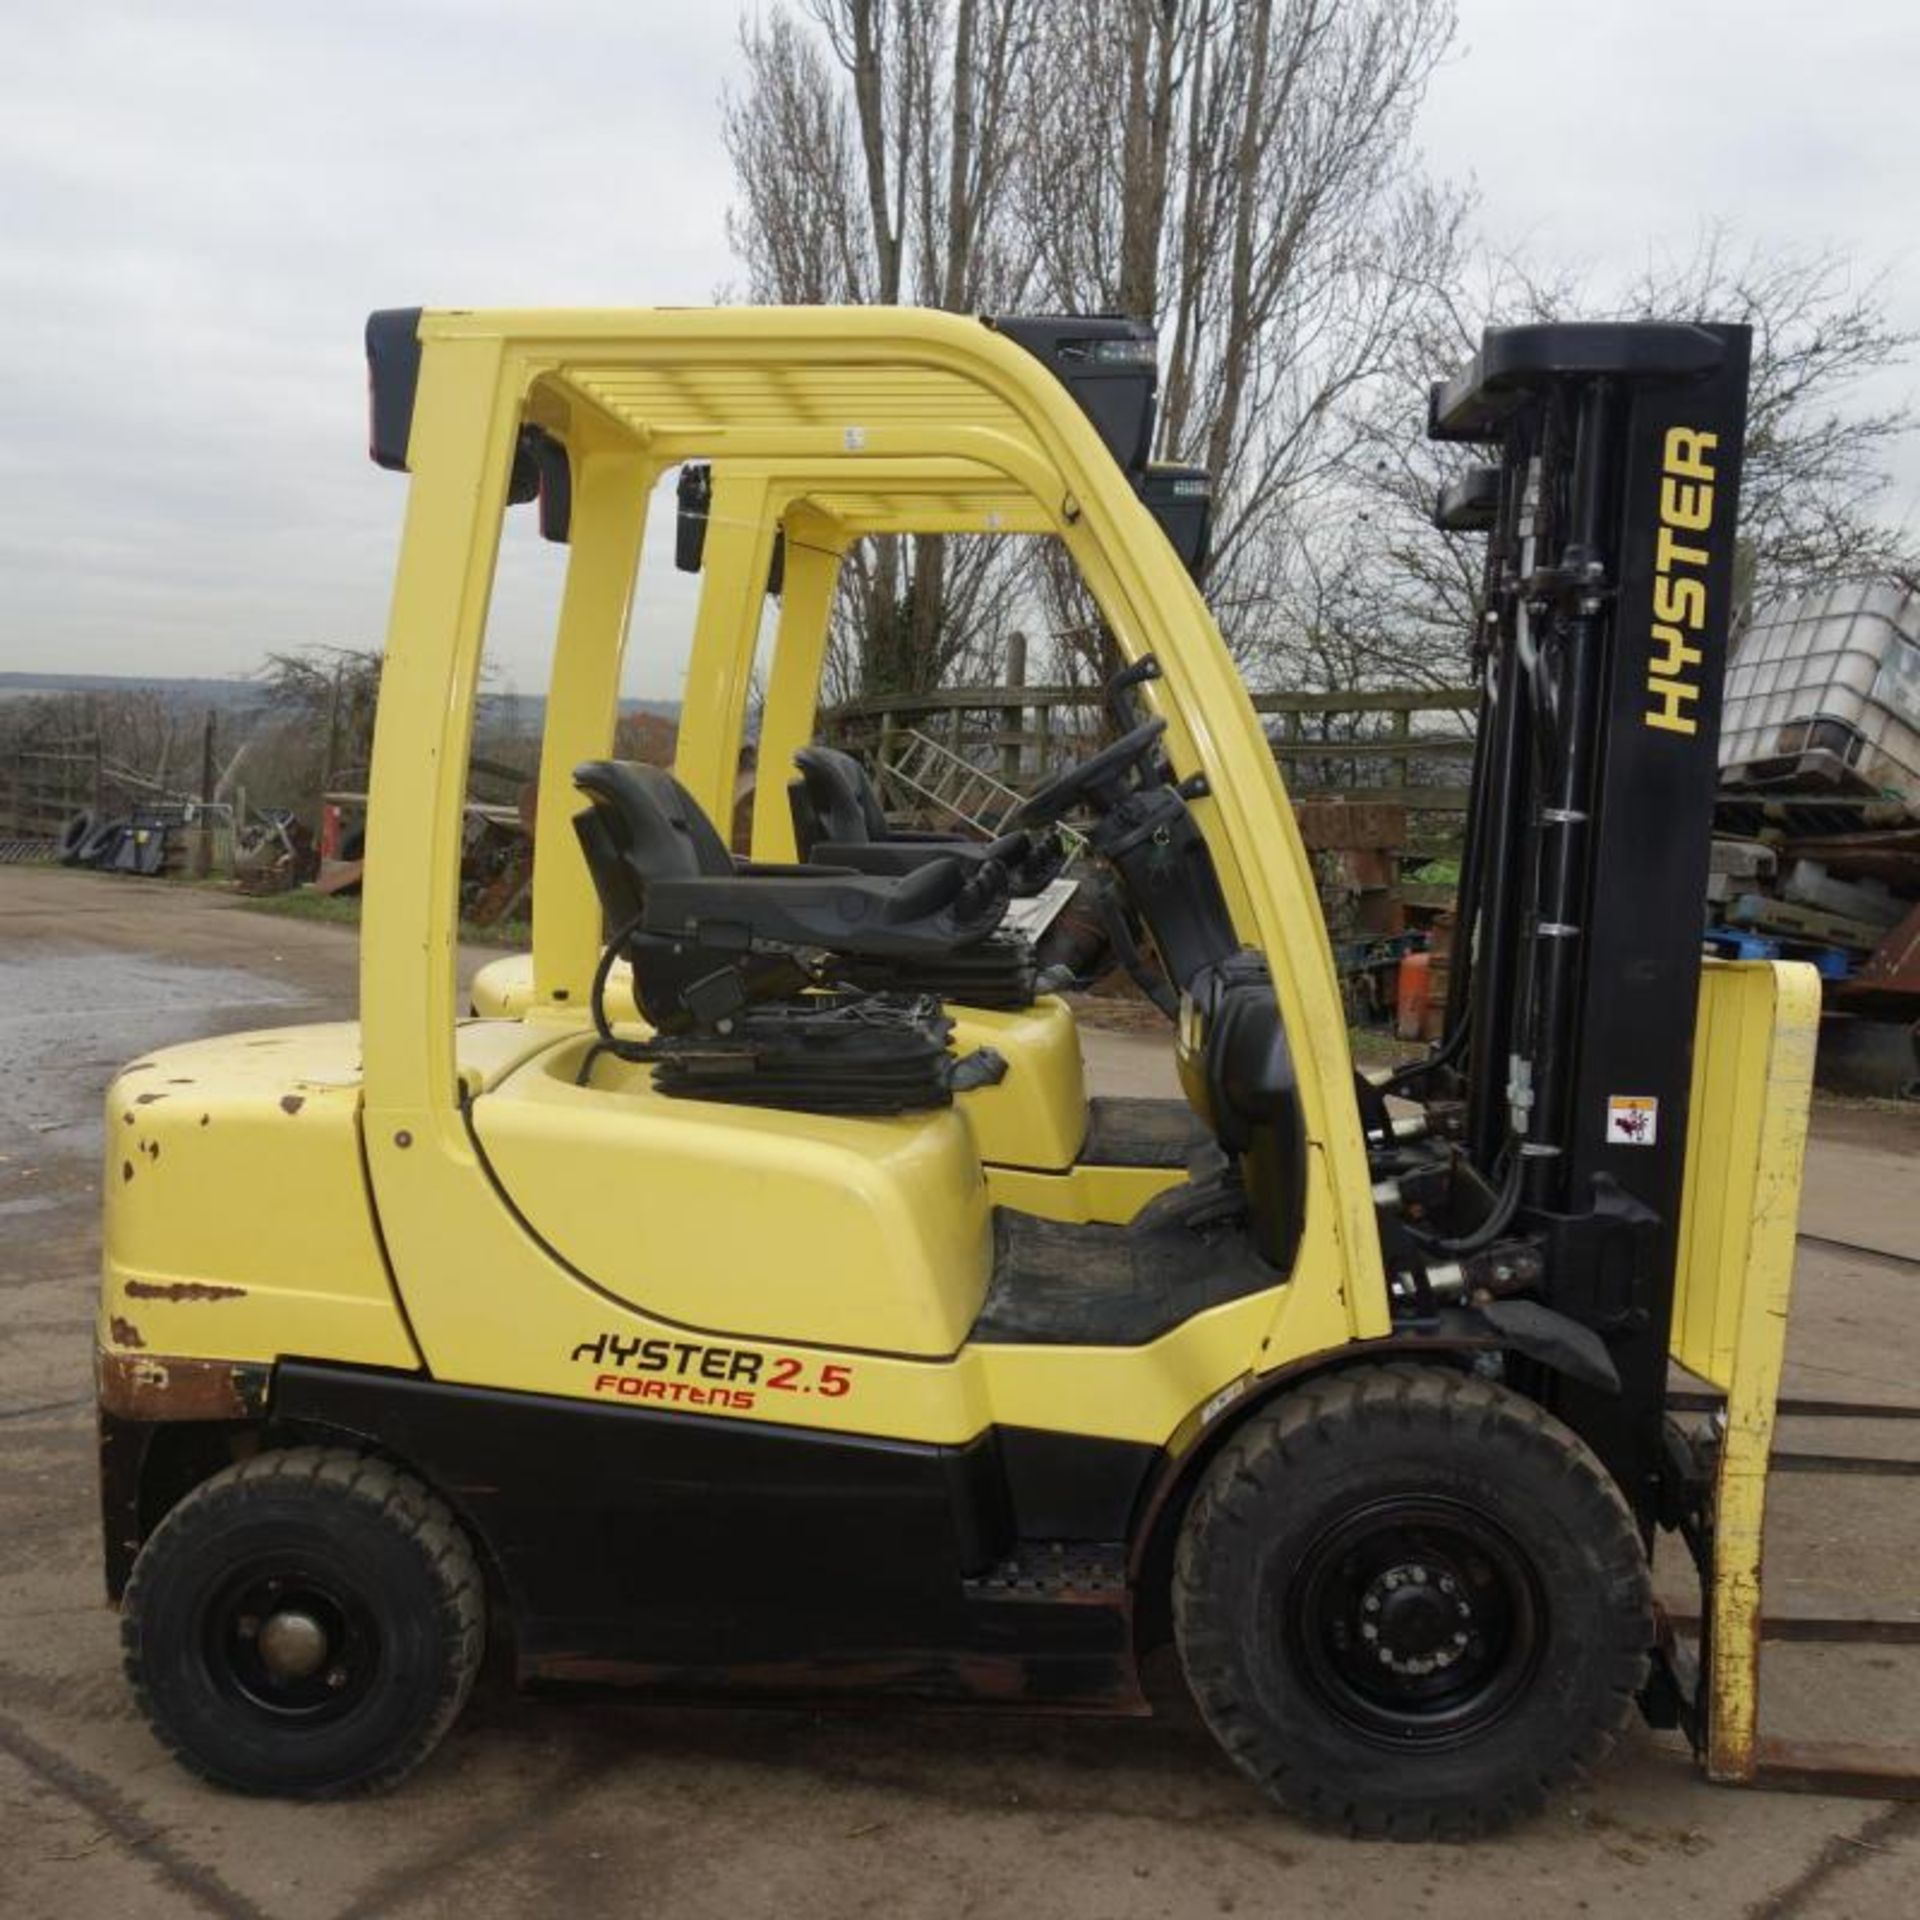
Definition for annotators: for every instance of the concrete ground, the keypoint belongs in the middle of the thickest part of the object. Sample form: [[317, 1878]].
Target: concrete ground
[[590, 1809]]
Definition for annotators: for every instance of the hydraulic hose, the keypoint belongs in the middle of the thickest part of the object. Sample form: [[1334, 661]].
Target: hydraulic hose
[[608, 1040], [1506, 1205], [1443, 1055]]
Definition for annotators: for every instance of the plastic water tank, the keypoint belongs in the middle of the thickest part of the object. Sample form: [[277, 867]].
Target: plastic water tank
[[1834, 673]]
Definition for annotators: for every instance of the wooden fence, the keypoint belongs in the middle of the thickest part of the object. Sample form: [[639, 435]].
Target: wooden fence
[[44, 785], [1362, 747]]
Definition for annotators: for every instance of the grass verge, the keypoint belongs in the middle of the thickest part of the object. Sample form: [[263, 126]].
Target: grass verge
[[343, 910]]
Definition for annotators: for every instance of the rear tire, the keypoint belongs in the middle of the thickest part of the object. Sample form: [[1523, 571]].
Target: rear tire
[[1410, 1603], [75, 835], [306, 1623]]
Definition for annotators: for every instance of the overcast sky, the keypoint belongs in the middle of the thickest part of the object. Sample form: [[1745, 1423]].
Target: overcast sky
[[200, 201]]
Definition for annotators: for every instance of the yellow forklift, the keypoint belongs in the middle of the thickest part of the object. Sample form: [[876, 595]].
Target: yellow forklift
[[747, 1299]]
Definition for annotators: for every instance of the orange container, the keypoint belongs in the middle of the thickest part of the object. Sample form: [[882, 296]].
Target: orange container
[[1411, 995]]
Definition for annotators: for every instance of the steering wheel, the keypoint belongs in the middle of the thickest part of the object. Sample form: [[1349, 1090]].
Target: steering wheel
[[1099, 778]]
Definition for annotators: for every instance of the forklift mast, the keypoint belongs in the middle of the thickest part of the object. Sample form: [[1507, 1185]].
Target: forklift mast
[[1571, 1009]]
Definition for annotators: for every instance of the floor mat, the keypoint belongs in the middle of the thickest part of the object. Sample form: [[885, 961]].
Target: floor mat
[[1059, 1283], [1131, 1131]]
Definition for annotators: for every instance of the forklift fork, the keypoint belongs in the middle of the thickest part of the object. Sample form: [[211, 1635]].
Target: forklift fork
[[1753, 1065]]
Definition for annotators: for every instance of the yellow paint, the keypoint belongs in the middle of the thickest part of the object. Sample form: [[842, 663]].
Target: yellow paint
[[1035, 1118], [739, 550], [1752, 1080], [1037, 1115], [214, 1151], [835, 408], [610, 492], [792, 1226], [503, 989], [1081, 1194], [793, 680]]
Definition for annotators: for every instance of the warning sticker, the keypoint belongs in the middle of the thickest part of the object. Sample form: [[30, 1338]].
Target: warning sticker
[[1633, 1120]]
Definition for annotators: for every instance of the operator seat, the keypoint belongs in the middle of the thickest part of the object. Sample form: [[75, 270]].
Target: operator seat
[[838, 822], [720, 958], [968, 960]]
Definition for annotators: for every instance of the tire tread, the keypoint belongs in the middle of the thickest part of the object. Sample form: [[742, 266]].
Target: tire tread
[[402, 1502], [1273, 1445]]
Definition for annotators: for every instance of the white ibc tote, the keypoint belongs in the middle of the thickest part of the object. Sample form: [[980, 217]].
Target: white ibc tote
[[1835, 671]]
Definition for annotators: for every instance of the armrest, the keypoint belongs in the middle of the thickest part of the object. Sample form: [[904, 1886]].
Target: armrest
[[889, 858], [796, 869], [941, 907], [898, 856]]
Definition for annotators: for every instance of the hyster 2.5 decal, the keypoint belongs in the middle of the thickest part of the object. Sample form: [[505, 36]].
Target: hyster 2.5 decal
[[690, 1373]]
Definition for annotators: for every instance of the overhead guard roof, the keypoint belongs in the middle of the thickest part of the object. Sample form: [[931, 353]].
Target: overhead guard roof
[[799, 386]]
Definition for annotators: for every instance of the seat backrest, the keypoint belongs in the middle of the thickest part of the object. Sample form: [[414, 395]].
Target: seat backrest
[[643, 826], [841, 797], [1237, 1072]]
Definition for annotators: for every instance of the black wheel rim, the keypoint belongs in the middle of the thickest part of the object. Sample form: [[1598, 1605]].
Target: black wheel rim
[[290, 1640], [1418, 1621]]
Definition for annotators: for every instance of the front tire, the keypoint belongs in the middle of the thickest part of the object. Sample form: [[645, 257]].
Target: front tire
[[308, 1623], [1410, 1603]]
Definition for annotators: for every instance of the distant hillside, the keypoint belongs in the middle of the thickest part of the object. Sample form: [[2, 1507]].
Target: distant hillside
[[187, 691], [527, 711]]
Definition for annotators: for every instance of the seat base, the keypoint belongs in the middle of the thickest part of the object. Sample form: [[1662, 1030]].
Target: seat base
[[997, 973], [857, 1054]]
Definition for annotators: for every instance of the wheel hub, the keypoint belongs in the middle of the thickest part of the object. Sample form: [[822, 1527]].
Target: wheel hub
[[291, 1640], [1416, 1619], [292, 1645]]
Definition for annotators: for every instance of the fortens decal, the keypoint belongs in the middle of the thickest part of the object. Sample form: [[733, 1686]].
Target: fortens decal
[[694, 1373]]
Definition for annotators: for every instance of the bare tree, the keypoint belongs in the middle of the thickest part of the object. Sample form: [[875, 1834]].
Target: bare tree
[[1815, 476], [1244, 173], [873, 149], [1239, 171], [326, 697]]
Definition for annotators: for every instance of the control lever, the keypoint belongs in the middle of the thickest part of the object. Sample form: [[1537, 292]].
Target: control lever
[[1123, 712], [984, 888]]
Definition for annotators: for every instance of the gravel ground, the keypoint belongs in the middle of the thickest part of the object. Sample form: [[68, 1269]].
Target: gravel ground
[[534, 1807]]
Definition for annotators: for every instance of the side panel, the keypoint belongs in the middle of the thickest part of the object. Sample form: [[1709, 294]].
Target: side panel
[[1037, 1116], [694, 1554], [754, 1221], [238, 1225]]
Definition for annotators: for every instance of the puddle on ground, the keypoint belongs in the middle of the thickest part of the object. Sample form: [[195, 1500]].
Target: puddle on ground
[[70, 1021]]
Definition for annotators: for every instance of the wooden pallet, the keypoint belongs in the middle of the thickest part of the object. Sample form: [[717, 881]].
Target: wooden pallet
[[1793, 920]]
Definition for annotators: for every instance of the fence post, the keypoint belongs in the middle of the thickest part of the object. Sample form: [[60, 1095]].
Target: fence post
[[1013, 716], [1290, 737], [1401, 728], [203, 851]]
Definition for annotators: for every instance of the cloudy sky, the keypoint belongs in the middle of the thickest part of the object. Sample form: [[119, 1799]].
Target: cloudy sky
[[200, 200]]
